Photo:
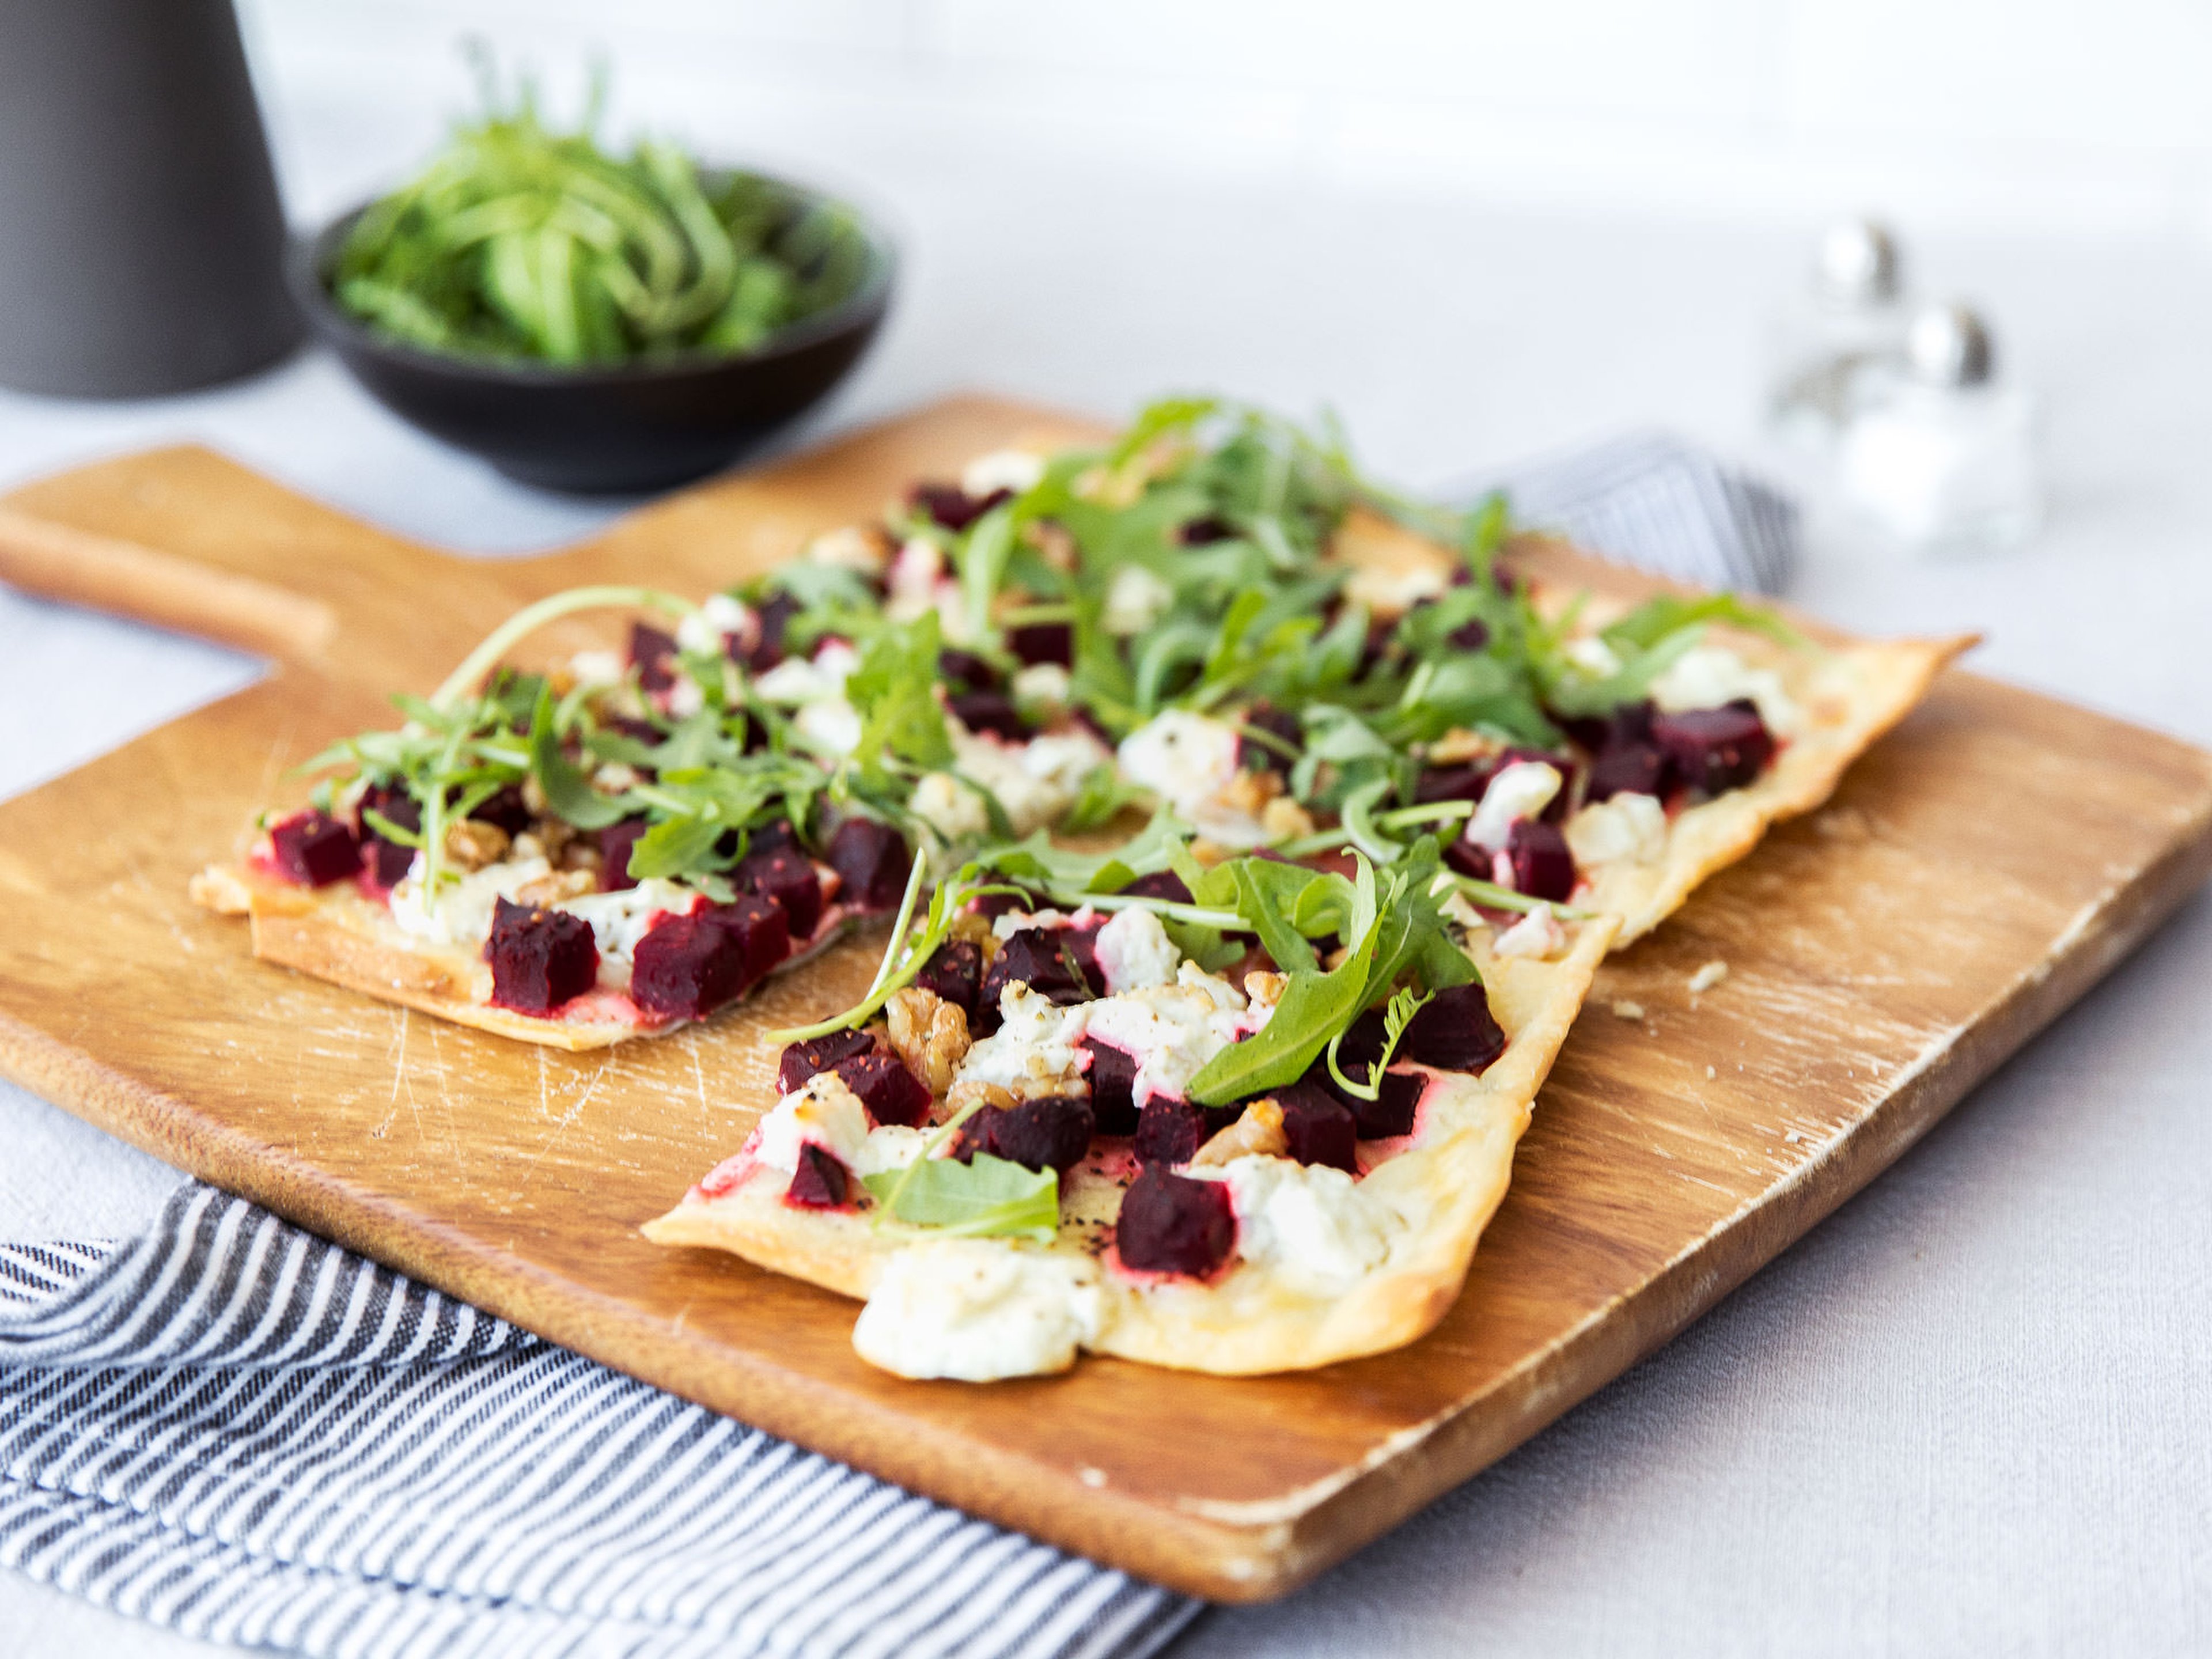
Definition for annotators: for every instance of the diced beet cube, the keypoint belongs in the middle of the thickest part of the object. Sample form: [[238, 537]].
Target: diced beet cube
[[872, 862], [963, 671], [1470, 860], [953, 507], [820, 1181], [1201, 532], [653, 653], [1542, 866], [801, 1060], [539, 958], [989, 711], [1039, 957], [786, 876], [1169, 1131], [1170, 1224], [1455, 1031], [505, 808], [1392, 1111], [1160, 885], [388, 859], [762, 931], [1082, 946], [1043, 642], [992, 906], [1715, 749], [1319, 1127], [314, 849], [955, 973], [1113, 1076], [1465, 782], [1472, 634], [1628, 769], [890, 1093], [1280, 724], [616, 843], [775, 613], [689, 966], [1053, 1132]]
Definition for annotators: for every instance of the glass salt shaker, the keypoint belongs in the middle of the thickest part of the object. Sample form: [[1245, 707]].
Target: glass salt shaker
[[1943, 457], [1839, 336]]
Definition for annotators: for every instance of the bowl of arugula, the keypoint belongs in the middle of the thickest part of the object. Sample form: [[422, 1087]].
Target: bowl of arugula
[[593, 322]]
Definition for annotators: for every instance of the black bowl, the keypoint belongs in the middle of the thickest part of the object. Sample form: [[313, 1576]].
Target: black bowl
[[600, 430]]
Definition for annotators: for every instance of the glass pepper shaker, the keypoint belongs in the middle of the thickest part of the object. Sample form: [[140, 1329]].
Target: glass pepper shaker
[[1838, 336]]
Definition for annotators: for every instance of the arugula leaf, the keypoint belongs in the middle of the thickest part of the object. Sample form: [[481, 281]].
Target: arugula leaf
[[1314, 1007], [990, 1197], [1652, 621], [1102, 797], [1404, 1005], [893, 689], [568, 791], [677, 846]]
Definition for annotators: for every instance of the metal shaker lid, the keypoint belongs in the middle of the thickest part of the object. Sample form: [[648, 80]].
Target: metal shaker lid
[[1949, 345], [1856, 265]]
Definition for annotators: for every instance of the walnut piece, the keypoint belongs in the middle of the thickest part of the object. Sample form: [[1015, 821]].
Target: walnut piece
[[561, 884], [929, 1034], [1259, 1130], [1283, 817], [968, 1089], [472, 844]]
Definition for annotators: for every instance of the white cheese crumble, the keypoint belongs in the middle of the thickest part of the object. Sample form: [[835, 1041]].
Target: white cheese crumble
[[976, 1311], [831, 724], [1134, 952], [1316, 1227], [1035, 782], [1135, 600], [890, 1146], [1520, 791], [950, 807], [1628, 829], [1035, 1050], [1536, 934], [462, 913], [1190, 761], [1707, 676], [718, 616], [1594, 656], [597, 668], [824, 1112], [1002, 469], [619, 919], [1171, 1030], [1708, 976], [1042, 686]]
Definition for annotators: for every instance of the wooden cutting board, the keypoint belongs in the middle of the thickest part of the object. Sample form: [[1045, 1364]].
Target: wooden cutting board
[[1977, 872]]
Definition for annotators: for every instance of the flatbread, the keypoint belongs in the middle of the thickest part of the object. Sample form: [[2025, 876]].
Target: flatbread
[[1443, 1183]]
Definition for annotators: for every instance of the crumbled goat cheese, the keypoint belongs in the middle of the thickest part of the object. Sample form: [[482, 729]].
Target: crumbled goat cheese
[[597, 668], [950, 807], [1171, 1030], [913, 581], [1134, 952], [1536, 934], [889, 1146], [1594, 656], [1707, 676], [1708, 976], [977, 1309], [1035, 1050], [1002, 469], [1035, 782], [717, 617], [830, 725], [1519, 791], [619, 919], [824, 1112], [1624, 1009], [462, 914], [1135, 600], [1042, 686], [1190, 761], [1316, 1227], [1628, 828], [684, 697]]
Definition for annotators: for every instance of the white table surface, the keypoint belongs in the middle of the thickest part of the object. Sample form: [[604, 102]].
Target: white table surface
[[1972, 1413]]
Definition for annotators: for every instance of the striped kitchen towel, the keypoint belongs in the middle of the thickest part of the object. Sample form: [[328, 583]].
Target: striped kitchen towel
[[1652, 501], [241, 1431]]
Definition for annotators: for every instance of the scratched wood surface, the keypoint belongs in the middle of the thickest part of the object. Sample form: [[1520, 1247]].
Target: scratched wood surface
[[1978, 870]]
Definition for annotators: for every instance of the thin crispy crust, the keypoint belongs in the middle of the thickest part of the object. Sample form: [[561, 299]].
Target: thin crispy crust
[[1848, 695], [1443, 1189], [336, 934]]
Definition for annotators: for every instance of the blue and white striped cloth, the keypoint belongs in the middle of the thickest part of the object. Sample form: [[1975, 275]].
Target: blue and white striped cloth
[[241, 1431]]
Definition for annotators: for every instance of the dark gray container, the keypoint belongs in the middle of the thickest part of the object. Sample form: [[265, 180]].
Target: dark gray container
[[142, 243]]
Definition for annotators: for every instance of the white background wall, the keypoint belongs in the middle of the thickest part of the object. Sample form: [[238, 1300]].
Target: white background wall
[[2073, 116]]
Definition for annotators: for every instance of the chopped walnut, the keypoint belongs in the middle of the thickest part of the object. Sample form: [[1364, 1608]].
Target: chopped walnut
[[534, 796], [968, 1089], [929, 1034], [1263, 989], [1250, 791], [561, 885], [976, 930], [580, 854], [1460, 744], [1259, 1130], [548, 840], [1283, 817], [472, 844], [1053, 541]]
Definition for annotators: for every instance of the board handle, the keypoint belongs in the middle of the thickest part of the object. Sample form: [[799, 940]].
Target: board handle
[[58, 561]]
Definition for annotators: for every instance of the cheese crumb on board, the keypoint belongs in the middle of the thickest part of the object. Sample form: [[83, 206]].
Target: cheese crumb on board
[[1624, 1009], [1708, 976]]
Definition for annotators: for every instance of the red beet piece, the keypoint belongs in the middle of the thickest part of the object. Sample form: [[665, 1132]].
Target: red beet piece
[[801, 1060], [890, 1093], [1170, 1224], [539, 958], [1278, 723], [954, 972], [1542, 866], [963, 671], [505, 809], [872, 862], [1053, 1132], [1470, 636], [388, 859], [786, 877], [820, 1183], [1625, 768], [616, 843], [1455, 1031], [1715, 750], [1320, 1128], [1044, 959], [1042, 643], [1200, 532], [1392, 1111], [688, 966], [314, 849], [774, 613], [1160, 885], [990, 711], [653, 653], [1169, 1131], [1113, 1076], [953, 507]]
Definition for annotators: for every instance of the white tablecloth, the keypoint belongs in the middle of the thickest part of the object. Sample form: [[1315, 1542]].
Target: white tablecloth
[[1972, 1413]]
